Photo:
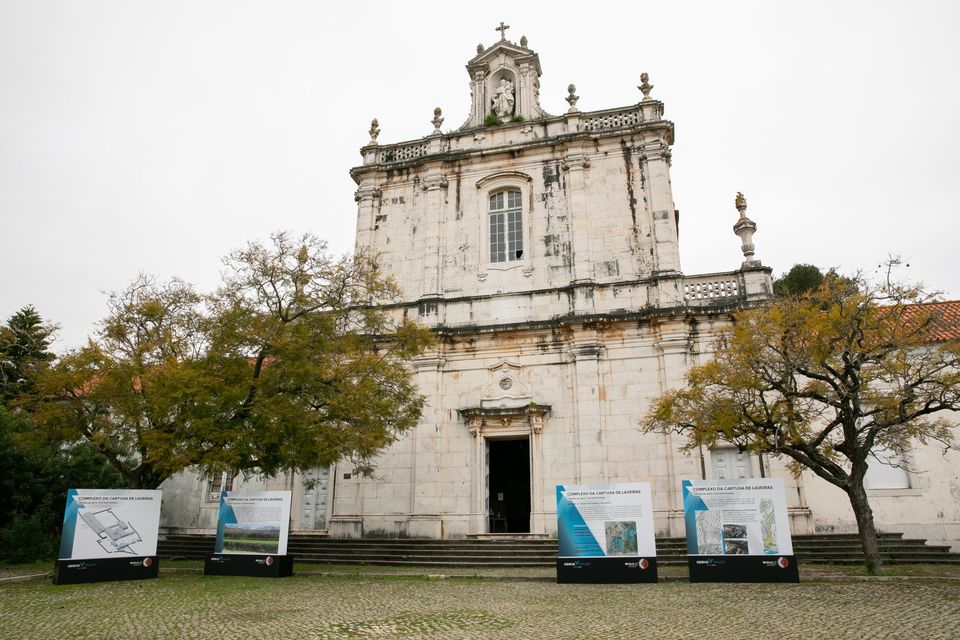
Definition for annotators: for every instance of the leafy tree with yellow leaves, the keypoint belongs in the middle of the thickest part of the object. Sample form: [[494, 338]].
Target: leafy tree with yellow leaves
[[287, 366], [827, 378]]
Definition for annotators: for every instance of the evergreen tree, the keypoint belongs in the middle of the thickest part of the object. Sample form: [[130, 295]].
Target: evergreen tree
[[802, 278], [24, 351]]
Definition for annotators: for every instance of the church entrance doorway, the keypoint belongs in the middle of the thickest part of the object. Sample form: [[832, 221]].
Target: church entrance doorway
[[509, 485]]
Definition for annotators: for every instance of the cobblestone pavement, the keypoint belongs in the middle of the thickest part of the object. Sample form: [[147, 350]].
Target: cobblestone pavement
[[182, 605]]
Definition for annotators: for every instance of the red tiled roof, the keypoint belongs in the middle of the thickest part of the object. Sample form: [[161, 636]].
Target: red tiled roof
[[948, 316]]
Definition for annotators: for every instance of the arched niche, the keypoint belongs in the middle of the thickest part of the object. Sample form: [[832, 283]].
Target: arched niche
[[502, 82]]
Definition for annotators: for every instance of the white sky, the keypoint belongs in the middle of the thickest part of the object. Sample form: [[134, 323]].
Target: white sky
[[158, 136]]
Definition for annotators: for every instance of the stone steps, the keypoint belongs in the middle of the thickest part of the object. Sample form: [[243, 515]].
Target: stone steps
[[539, 552]]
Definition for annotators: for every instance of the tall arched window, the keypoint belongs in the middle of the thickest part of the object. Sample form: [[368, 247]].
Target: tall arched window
[[506, 226]]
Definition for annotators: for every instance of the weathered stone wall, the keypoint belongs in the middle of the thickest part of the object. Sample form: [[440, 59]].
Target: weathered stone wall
[[596, 209], [597, 379]]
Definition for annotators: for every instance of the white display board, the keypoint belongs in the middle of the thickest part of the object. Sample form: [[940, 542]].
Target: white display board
[[253, 523], [596, 521], [110, 523], [737, 517]]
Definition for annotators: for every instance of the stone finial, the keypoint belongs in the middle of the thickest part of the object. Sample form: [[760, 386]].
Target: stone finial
[[745, 228], [523, 41], [741, 203], [572, 98], [374, 130], [645, 86], [503, 31], [479, 48], [437, 120]]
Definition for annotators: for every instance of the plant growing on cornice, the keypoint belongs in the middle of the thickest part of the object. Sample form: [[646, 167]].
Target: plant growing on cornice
[[492, 120], [517, 118]]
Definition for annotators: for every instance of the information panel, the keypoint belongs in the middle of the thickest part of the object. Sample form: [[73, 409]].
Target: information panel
[[252, 534], [109, 534], [605, 533], [738, 531]]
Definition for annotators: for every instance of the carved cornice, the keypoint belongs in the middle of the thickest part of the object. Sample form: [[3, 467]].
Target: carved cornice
[[460, 144], [429, 364], [587, 350], [478, 70], [575, 161], [367, 193], [489, 420], [432, 184]]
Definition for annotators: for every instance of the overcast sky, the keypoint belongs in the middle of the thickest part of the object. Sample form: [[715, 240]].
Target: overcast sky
[[158, 136]]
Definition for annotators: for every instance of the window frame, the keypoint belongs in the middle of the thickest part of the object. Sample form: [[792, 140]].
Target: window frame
[[510, 228], [489, 186], [222, 479]]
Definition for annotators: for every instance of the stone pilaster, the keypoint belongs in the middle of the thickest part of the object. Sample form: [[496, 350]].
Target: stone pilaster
[[367, 197], [435, 188], [478, 94], [655, 164], [586, 352], [423, 497], [575, 165]]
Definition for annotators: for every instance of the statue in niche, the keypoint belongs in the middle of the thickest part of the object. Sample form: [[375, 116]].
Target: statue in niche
[[502, 100]]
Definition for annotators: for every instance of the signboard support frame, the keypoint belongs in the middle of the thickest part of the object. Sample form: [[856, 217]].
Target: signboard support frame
[[256, 566], [104, 569]]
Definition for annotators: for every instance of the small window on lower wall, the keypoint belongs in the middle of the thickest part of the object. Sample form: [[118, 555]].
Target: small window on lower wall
[[729, 463], [886, 471], [217, 482]]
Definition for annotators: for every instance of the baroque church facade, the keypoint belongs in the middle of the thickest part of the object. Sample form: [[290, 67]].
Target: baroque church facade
[[543, 251]]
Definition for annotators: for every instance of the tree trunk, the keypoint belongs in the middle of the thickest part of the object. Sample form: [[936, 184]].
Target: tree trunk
[[868, 531], [147, 477]]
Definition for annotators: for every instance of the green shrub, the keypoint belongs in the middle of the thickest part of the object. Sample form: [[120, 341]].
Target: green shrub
[[28, 538], [492, 120], [34, 480]]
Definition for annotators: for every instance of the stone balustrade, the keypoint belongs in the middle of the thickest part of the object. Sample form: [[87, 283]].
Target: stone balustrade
[[712, 288], [403, 152], [611, 120], [476, 138]]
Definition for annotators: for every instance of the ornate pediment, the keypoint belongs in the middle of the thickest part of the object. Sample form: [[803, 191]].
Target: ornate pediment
[[492, 57], [505, 83], [507, 386]]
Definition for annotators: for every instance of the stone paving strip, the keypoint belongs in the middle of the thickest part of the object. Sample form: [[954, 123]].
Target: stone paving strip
[[187, 605], [25, 576]]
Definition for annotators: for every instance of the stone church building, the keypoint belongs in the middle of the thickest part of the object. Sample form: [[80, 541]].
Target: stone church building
[[543, 250]]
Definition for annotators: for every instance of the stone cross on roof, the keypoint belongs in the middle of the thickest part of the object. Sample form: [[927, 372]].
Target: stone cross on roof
[[503, 30]]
